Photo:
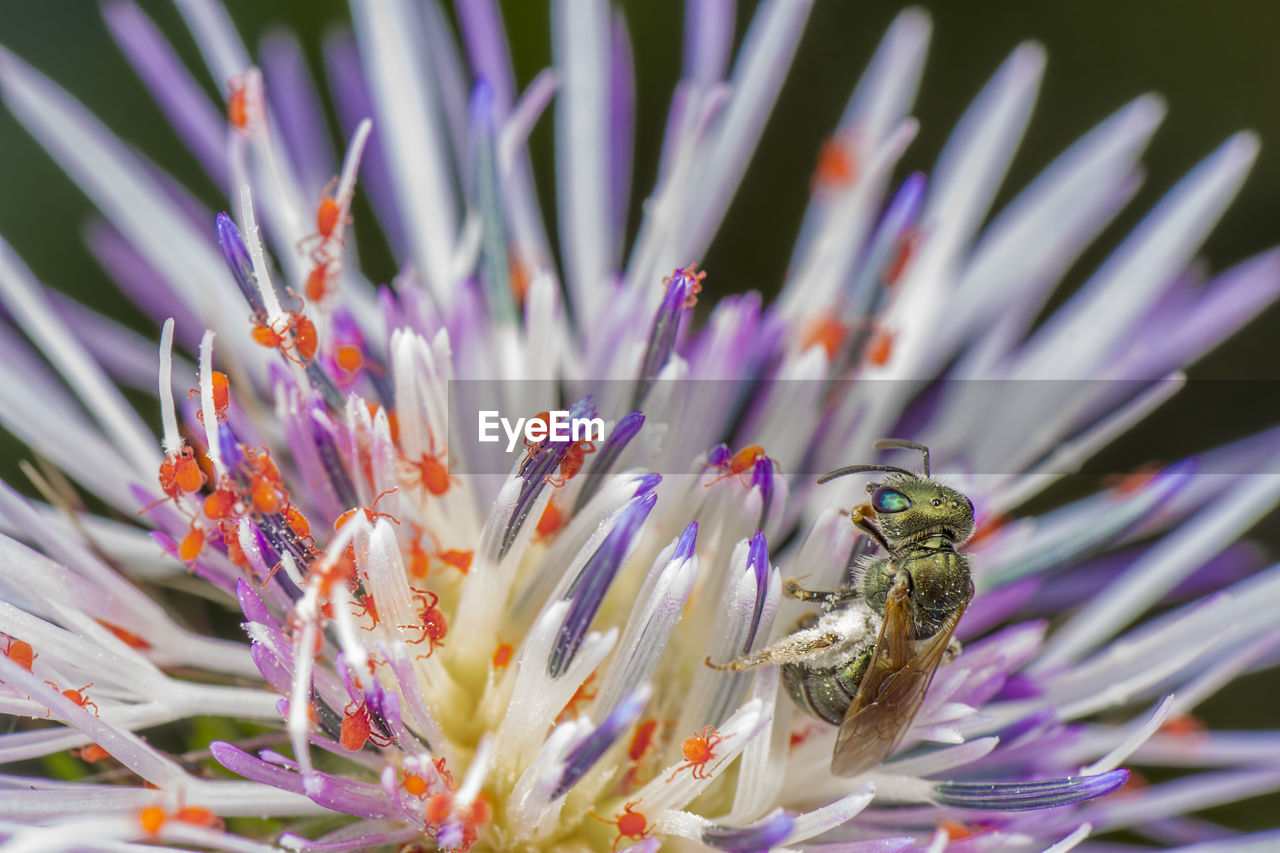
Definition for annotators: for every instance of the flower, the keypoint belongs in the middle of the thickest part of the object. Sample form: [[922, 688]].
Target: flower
[[441, 655]]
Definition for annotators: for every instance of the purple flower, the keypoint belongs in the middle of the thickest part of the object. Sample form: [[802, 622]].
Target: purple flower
[[441, 653]]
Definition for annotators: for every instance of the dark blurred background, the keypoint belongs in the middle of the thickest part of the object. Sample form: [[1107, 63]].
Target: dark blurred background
[[1216, 65]]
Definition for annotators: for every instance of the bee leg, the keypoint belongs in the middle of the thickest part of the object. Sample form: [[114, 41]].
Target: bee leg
[[791, 588], [790, 649], [861, 516], [952, 651]]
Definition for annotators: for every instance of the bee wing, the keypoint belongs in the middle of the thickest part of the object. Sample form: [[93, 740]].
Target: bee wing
[[892, 688]]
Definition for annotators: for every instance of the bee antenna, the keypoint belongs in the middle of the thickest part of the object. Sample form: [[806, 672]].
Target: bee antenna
[[903, 444], [858, 469]]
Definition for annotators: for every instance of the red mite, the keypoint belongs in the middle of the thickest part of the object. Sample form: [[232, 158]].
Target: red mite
[[698, 751], [642, 739], [432, 470], [21, 653], [433, 626], [240, 102], [742, 462], [221, 392], [357, 728], [78, 696], [328, 217], [180, 473], [572, 462], [296, 329], [630, 824]]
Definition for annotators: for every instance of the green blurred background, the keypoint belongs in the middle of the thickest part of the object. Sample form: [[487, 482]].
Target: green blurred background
[[1216, 64]]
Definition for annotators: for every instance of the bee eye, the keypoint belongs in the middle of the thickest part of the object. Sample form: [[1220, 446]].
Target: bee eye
[[889, 500], [937, 501]]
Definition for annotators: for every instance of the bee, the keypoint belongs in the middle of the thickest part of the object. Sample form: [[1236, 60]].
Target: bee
[[917, 591]]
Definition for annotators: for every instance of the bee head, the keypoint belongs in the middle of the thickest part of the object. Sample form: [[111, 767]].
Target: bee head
[[909, 508]]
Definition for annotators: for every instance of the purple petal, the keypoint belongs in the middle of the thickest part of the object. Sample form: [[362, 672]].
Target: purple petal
[[681, 289], [626, 429], [273, 669], [584, 756], [342, 795], [251, 605], [622, 119], [353, 104], [589, 587], [537, 467], [758, 562], [762, 476], [486, 44], [139, 281], [322, 430], [764, 834], [685, 546], [1027, 796], [296, 108], [183, 101], [236, 254]]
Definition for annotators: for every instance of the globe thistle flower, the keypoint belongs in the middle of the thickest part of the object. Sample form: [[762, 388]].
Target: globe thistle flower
[[441, 654]]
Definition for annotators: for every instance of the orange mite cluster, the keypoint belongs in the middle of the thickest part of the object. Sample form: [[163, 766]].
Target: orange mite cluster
[[582, 694], [695, 286], [420, 558], [153, 818], [441, 804], [325, 245], [180, 474], [256, 487], [292, 333], [221, 396], [416, 785], [827, 332]]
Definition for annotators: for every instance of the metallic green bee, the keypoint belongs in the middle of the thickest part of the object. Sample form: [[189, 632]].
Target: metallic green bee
[[919, 588]]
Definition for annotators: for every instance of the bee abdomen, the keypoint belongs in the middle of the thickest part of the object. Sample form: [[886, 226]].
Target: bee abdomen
[[825, 692]]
